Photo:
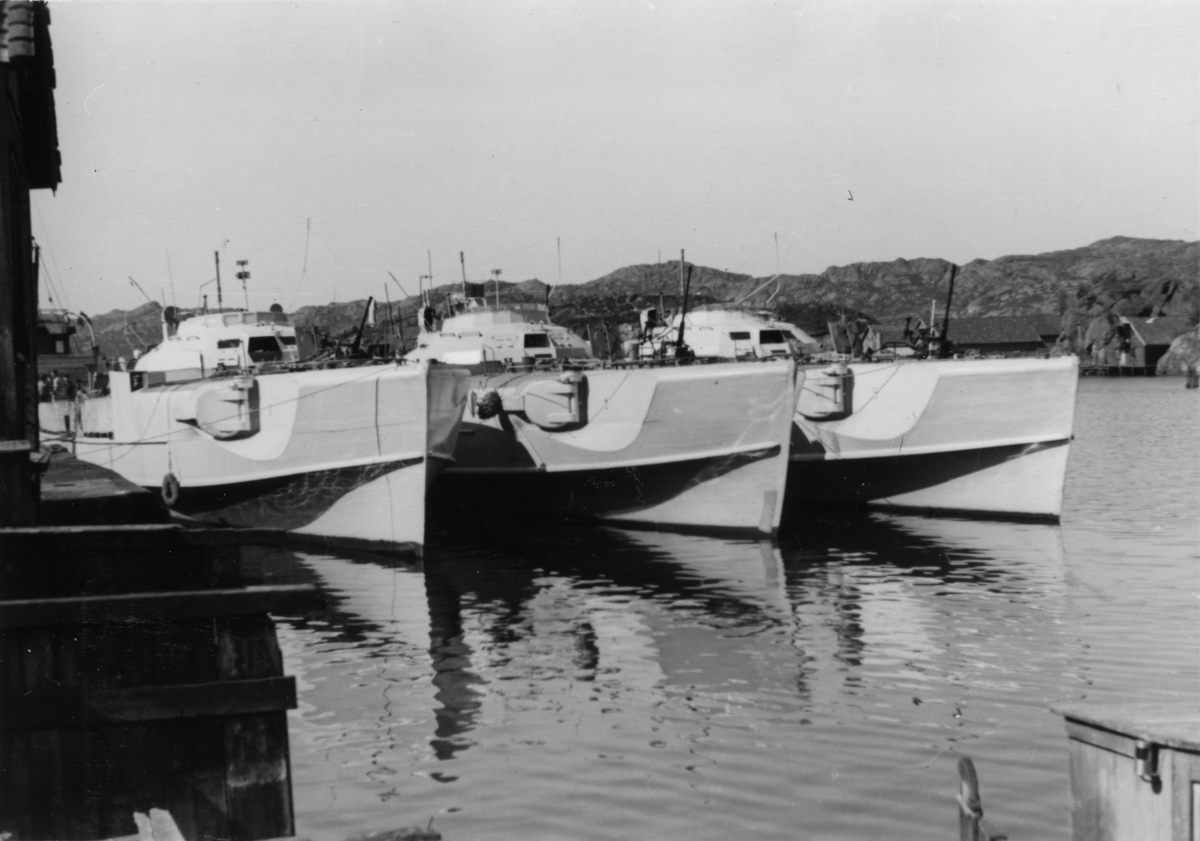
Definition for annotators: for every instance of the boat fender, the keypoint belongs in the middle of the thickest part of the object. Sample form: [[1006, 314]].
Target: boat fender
[[828, 395], [228, 410], [555, 406], [488, 405], [170, 490]]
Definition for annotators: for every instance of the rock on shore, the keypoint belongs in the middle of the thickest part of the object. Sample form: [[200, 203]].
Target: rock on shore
[[1184, 351]]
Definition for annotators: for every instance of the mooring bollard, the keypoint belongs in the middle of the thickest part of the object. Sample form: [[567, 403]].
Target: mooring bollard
[[971, 825]]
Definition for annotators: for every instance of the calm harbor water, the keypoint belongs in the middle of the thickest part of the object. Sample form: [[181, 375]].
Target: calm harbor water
[[588, 683]]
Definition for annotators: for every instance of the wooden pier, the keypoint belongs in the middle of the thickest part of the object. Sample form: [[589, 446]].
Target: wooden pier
[[140, 670], [74, 492], [1135, 770], [1117, 371]]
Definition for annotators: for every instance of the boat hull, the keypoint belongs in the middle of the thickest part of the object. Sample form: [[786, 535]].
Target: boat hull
[[344, 455], [975, 437], [689, 448]]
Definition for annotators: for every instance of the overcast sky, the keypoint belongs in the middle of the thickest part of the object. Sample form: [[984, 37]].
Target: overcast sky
[[329, 143]]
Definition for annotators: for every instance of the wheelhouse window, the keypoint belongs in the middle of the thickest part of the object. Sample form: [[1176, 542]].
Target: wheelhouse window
[[224, 344], [537, 340], [265, 349], [740, 335], [771, 337]]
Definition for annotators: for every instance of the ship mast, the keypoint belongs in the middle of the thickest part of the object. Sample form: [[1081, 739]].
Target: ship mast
[[217, 257], [243, 275]]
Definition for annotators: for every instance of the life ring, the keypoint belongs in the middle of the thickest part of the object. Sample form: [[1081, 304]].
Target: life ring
[[170, 490]]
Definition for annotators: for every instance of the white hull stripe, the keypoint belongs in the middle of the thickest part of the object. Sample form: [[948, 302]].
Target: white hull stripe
[[928, 449], [622, 463]]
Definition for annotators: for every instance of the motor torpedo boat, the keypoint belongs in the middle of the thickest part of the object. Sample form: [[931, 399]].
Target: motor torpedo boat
[[224, 421], [981, 437], [549, 430]]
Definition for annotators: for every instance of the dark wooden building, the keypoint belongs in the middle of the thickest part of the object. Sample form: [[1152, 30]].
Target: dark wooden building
[[1049, 327], [29, 132], [1012, 335], [1150, 338]]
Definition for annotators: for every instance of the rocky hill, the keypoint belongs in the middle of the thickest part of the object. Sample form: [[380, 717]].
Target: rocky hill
[[1084, 286]]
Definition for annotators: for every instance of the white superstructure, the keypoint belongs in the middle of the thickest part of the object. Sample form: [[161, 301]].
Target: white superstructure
[[476, 333], [723, 334], [213, 342]]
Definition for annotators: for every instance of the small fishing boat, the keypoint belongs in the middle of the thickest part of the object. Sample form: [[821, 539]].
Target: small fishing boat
[[983, 437], [549, 430], [223, 419]]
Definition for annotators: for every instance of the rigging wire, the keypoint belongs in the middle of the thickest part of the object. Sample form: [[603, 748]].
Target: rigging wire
[[338, 262], [52, 291], [582, 268], [276, 240], [50, 252], [304, 269], [170, 277], [758, 289]]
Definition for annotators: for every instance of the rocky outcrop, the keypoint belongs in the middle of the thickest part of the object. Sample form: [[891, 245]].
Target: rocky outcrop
[[1088, 288], [1184, 352], [1083, 286]]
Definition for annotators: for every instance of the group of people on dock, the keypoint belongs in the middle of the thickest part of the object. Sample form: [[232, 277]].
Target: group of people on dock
[[58, 386]]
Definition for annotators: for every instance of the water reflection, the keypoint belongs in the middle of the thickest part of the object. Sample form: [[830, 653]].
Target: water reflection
[[583, 604], [576, 653], [898, 596], [664, 610]]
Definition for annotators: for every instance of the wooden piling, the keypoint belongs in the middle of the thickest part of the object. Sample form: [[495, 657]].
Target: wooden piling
[[18, 485], [971, 825]]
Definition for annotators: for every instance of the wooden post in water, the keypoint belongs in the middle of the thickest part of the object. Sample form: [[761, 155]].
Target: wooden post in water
[[971, 825]]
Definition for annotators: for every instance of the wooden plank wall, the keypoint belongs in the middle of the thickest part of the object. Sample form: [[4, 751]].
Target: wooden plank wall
[[150, 678]]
